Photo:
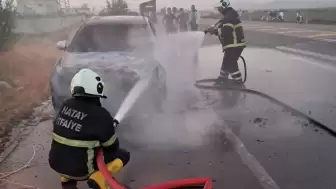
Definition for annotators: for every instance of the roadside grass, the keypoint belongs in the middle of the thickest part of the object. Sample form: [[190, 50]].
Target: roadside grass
[[26, 67]]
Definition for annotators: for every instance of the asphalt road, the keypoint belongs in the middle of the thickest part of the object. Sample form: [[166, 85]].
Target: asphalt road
[[239, 139], [318, 41]]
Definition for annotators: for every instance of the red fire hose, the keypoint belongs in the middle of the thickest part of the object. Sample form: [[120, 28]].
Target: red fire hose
[[206, 182]]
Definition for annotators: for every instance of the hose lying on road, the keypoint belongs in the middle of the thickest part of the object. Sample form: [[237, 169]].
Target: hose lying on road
[[201, 85]]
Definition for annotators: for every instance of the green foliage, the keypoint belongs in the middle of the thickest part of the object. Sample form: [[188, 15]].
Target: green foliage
[[115, 7], [7, 13]]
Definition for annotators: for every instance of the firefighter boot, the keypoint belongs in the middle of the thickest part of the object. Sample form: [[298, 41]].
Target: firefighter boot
[[97, 181], [223, 77], [68, 184], [222, 80]]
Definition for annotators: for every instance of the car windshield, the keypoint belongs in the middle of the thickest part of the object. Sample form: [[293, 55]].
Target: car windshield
[[111, 37]]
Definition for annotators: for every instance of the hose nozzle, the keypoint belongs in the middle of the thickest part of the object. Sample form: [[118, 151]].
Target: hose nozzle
[[115, 123]]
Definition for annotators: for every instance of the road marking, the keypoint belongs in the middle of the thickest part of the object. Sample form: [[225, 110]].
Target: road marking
[[296, 31], [309, 53], [252, 25], [259, 26], [322, 35], [265, 180], [268, 29], [325, 66], [330, 40]]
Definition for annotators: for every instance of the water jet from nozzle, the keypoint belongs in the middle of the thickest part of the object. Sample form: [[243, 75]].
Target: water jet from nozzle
[[132, 96]]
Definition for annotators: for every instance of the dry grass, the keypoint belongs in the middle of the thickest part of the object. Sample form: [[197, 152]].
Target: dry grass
[[27, 67]]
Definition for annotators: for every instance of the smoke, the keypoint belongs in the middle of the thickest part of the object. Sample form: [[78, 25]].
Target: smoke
[[181, 123], [177, 54]]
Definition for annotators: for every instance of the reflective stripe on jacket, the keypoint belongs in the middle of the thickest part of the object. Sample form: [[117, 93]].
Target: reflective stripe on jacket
[[230, 30], [80, 128], [90, 145], [232, 37]]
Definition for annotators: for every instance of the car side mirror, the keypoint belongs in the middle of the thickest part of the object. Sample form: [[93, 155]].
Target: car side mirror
[[62, 45]]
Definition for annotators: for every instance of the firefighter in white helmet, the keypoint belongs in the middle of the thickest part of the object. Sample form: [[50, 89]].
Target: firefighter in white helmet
[[80, 128]]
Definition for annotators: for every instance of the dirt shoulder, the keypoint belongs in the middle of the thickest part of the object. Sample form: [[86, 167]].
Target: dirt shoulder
[[26, 67]]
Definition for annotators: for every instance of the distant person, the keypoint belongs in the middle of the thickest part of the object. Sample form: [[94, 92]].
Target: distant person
[[182, 19], [169, 20], [194, 19], [175, 12], [272, 15], [281, 16], [299, 17]]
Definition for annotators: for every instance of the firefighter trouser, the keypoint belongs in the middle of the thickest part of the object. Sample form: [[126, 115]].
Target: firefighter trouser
[[230, 64], [123, 156]]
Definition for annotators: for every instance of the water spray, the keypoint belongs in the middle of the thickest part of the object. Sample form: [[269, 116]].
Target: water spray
[[193, 39], [132, 96]]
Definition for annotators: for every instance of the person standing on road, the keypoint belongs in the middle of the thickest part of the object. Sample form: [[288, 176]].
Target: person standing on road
[[169, 20], [231, 35], [80, 128], [182, 19], [194, 19], [175, 13], [282, 16], [299, 17]]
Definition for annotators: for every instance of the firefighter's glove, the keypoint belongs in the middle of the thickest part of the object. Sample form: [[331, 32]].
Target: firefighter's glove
[[211, 31], [115, 123]]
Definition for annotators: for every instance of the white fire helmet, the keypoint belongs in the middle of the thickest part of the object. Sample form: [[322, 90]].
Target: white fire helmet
[[223, 4], [87, 83]]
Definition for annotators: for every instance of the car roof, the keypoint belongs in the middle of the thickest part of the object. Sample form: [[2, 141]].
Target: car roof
[[117, 20]]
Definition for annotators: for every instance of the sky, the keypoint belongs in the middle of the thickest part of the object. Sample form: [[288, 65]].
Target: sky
[[133, 4], [208, 4]]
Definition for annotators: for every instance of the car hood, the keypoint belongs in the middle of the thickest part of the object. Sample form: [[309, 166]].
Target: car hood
[[120, 71], [103, 61]]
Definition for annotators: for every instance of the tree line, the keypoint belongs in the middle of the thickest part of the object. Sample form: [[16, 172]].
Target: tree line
[[115, 7]]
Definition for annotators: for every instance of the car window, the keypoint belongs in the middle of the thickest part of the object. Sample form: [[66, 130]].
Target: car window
[[111, 37]]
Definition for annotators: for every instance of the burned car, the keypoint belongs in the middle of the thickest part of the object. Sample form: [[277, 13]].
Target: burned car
[[120, 49]]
